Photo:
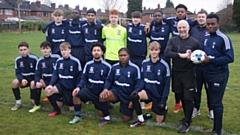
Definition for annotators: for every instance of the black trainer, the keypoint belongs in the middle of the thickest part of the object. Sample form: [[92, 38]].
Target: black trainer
[[137, 123], [180, 122], [147, 116], [185, 127]]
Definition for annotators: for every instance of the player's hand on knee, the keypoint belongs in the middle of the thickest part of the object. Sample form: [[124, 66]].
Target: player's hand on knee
[[39, 85], [104, 94], [24, 82], [130, 105], [75, 91], [134, 94]]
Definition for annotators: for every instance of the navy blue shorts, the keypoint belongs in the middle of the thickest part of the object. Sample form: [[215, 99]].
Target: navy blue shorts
[[123, 103], [28, 84], [65, 94], [85, 95], [155, 104]]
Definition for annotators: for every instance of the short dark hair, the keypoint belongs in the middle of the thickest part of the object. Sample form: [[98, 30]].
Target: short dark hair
[[23, 44], [77, 11], [98, 44], [91, 10], [45, 44], [181, 6], [124, 49], [155, 11], [203, 12], [210, 16], [136, 14]]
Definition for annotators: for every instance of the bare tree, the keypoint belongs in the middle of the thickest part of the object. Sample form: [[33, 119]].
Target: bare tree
[[224, 4], [46, 2], [110, 4], [225, 13], [19, 2]]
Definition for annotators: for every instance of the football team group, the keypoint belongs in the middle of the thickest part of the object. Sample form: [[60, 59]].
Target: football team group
[[76, 67]]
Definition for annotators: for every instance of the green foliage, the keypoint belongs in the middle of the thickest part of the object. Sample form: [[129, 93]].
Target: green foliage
[[104, 20], [68, 14], [236, 12], [169, 4], [134, 5], [33, 26]]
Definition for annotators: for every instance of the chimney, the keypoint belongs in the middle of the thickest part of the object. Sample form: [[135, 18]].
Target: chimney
[[84, 9], [144, 8], [66, 6], [158, 6], [38, 4], [99, 10], [53, 5], [77, 7]]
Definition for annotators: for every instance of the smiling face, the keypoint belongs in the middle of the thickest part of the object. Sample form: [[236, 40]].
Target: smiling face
[[183, 29], [201, 19], [212, 25], [91, 17]]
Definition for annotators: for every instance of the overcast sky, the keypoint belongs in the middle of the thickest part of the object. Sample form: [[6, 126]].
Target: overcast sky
[[209, 5]]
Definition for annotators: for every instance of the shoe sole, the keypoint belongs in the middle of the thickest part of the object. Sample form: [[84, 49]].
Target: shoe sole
[[16, 108], [176, 111], [34, 110], [103, 124], [184, 132]]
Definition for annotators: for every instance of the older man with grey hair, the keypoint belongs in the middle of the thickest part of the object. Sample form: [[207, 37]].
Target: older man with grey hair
[[179, 48]]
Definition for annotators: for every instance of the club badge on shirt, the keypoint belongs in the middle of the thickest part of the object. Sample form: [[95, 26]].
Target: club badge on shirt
[[91, 70], [119, 32], [70, 23], [71, 68], [95, 32], [53, 31], [205, 42], [140, 32], [43, 65], [153, 28], [21, 64], [117, 72], [148, 68], [130, 29], [101, 72], [61, 66], [86, 30], [62, 31]]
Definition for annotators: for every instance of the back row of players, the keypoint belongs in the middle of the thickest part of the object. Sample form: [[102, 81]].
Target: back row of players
[[122, 82]]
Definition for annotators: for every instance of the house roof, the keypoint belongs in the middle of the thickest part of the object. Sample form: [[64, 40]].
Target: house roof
[[64, 9], [225, 10], [43, 8], [35, 18], [5, 5]]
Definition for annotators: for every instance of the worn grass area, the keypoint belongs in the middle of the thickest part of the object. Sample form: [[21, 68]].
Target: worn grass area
[[23, 122]]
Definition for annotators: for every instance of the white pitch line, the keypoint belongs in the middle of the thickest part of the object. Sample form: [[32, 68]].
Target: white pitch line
[[116, 118]]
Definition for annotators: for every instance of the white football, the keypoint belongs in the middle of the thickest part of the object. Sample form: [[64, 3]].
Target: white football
[[197, 56]]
